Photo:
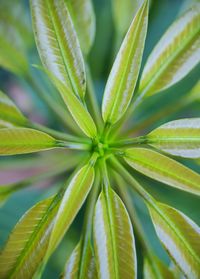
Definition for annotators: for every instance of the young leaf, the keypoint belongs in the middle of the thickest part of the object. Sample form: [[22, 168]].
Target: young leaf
[[78, 111], [83, 17], [23, 140], [113, 238], [179, 137], [72, 268], [164, 169], [180, 237], [123, 77], [58, 44], [175, 55], [72, 201], [155, 269], [27, 244], [9, 113]]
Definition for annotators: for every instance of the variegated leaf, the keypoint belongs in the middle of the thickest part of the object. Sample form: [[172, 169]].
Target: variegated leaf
[[58, 44], [83, 17], [163, 168], [175, 55], [123, 77], [23, 140], [113, 239], [179, 137], [180, 236], [28, 242]]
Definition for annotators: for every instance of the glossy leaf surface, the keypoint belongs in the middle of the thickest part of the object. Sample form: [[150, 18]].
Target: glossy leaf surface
[[9, 113], [23, 140], [72, 201], [83, 17], [180, 237], [175, 55], [27, 244], [72, 269], [179, 137], [58, 44], [123, 77], [163, 168], [113, 239]]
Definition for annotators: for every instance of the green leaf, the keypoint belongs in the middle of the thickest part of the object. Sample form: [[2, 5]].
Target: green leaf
[[28, 242], [175, 55], [179, 138], [72, 268], [58, 44], [164, 169], [155, 269], [72, 201], [83, 17], [124, 74], [9, 113], [78, 111], [113, 238], [23, 140], [180, 237]]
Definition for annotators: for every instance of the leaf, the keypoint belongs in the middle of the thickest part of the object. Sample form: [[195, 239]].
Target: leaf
[[23, 140], [123, 77], [72, 268], [72, 201], [155, 269], [179, 138], [164, 169], [78, 111], [113, 238], [180, 236], [58, 44], [27, 244], [9, 113], [83, 17], [175, 55]]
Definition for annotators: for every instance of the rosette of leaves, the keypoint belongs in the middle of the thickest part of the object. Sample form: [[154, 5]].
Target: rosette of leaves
[[64, 32]]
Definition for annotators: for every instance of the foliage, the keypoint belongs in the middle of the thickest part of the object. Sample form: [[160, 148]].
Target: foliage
[[101, 148]]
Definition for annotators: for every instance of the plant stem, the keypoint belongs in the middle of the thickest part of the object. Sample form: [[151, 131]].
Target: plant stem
[[129, 142], [73, 145], [93, 100]]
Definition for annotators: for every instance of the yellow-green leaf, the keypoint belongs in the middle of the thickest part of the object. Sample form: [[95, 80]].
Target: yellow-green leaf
[[155, 269], [28, 242], [175, 55], [113, 238], [124, 74], [163, 168], [180, 237], [72, 201], [58, 44], [83, 17], [9, 113], [72, 268], [23, 140], [179, 138]]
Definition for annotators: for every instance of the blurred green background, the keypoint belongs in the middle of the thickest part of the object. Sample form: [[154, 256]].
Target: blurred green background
[[162, 14]]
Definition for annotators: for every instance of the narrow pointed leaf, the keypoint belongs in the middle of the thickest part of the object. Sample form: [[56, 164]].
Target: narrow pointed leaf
[[180, 237], [123, 77], [9, 113], [83, 17], [179, 137], [163, 168], [175, 55], [58, 44], [23, 140], [72, 269], [28, 242], [113, 239], [72, 201], [155, 269]]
